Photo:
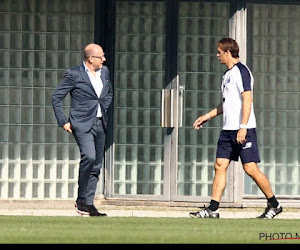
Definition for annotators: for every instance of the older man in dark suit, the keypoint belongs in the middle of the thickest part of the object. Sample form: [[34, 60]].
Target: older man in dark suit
[[91, 94]]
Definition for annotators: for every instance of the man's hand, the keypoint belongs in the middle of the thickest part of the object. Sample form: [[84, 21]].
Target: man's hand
[[68, 127], [200, 121], [241, 135]]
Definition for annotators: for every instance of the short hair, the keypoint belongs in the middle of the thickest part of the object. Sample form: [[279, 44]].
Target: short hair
[[86, 54], [230, 44]]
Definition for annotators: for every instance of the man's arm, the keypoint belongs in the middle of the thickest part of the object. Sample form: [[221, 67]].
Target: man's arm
[[211, 114], [109, 95], [58, 96], [246, 110], [247, 102]]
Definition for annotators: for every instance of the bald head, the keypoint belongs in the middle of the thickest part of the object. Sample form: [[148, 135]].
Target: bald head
[[92, 49], [93, 57]]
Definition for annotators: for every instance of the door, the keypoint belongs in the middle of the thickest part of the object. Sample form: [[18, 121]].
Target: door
[[200, 26], [136, 164], [165, 75]]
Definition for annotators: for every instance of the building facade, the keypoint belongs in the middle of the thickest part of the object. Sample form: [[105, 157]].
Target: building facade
[[162, 59]]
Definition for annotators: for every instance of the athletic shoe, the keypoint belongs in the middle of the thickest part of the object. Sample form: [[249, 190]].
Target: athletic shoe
[[271, 212], [94, 212], [205, 213], [81, 207]]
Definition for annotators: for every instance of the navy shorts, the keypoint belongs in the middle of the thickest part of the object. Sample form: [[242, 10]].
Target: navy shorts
[[228, 147]]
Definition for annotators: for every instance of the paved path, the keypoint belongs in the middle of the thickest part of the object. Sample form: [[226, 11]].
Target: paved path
[[59, 208]]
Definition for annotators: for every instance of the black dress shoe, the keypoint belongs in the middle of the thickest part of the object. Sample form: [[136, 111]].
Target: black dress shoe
[[81, 207], [94, 212]]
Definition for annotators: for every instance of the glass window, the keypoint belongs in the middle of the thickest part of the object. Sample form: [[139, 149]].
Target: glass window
[[201, 25], [274, 56], [37, 46], [139, 78]]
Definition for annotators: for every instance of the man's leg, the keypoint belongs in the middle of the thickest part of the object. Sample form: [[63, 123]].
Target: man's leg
[[219, 182], [260, 179], [274, 208], [99, 143], [91, 146], [85, 143]]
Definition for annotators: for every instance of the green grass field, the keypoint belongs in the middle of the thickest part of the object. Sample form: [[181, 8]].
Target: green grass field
[[142, 230]]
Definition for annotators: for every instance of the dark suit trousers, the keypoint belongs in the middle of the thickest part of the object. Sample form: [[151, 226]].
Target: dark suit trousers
[[91, 146]]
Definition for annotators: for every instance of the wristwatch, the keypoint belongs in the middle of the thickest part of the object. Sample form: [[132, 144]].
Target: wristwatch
[[243, 126]]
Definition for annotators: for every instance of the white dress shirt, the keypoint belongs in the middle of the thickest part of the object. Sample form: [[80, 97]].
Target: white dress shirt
[[97, 85]]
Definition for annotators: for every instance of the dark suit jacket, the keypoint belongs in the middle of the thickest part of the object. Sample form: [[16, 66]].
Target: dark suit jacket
[[84, 100]]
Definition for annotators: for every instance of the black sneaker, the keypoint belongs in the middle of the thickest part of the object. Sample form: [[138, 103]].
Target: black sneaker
[[205, 213], [94, 212], [271, 212], [81, 207]]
